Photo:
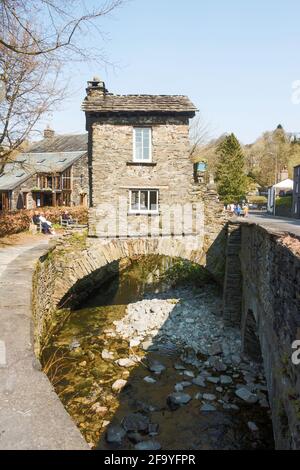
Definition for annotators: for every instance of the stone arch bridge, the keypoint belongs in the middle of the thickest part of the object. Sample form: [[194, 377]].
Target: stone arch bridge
[[260, 276], [67, 275]]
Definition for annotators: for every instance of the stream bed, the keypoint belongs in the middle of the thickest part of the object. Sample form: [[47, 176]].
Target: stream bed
[[146, 363]]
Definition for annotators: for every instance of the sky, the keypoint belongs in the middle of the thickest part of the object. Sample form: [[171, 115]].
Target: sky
[[236, 60]]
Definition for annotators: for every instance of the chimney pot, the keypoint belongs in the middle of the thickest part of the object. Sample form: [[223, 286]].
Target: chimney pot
[[96, 87], [48, 133]]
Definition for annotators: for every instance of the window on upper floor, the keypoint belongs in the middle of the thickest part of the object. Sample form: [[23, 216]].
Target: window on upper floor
[[143, 201], [142, 151]]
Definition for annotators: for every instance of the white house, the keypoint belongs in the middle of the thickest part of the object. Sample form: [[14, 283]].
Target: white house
[[273, 192]]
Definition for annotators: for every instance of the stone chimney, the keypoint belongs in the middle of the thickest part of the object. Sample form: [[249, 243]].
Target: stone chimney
[[48, 133], [96, 88], [283, 174]]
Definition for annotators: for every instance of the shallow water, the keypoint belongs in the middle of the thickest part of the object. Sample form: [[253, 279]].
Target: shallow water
[[83, 380]]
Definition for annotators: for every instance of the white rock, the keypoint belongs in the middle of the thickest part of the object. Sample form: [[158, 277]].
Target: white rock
[[149, 380], [135, 342], [209, 396], [245, 395], [189, 373], [226, 380], [252, 426], [118, 385], [213, 380], [206, 407], [126, 362], [107, 355]]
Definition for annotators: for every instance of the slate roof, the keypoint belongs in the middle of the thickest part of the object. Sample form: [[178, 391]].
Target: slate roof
[[28, 164], [110, 103], [47, 156], [61, 143]]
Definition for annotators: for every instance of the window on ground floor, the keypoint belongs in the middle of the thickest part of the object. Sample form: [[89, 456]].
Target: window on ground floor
[[143, 201]]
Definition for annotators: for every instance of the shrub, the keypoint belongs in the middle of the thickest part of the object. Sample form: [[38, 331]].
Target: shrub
[[14, 222], [54, 213], [259, 200], [284, 201]]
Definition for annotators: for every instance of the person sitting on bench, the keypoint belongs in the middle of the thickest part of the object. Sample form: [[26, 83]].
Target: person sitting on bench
[[46, 225], [66, 219], [36, 218]]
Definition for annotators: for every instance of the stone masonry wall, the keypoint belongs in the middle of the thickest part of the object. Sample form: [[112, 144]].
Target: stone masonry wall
[[113, 172], [80, 181], [17, 194], [263, 282]]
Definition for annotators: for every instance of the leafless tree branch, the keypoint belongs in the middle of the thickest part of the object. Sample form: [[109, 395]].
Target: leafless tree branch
[[62, 24]]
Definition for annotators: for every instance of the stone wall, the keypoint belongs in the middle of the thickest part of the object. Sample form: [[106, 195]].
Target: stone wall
[[80, 192], [113, 172], [17, 200], [215, 230], [262, 296]]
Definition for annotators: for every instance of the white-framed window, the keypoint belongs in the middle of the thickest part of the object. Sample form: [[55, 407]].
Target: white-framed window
[[142, 145], [143, 201]]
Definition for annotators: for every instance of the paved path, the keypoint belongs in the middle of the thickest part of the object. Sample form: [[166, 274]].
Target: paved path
[[31, 414], [275, 224]]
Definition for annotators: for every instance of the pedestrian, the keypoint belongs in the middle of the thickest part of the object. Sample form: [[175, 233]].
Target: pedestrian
[[238, 210]]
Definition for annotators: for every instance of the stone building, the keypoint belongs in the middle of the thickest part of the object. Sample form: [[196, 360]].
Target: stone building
[[53, 172], [139, 161], [296, 193]]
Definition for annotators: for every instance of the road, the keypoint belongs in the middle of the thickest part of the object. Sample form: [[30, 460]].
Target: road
[[276, 224]]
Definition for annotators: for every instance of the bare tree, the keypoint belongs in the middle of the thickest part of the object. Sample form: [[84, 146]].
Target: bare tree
[[37, 39], [199, 136], [31, 91], [52, 26], [268, 155]]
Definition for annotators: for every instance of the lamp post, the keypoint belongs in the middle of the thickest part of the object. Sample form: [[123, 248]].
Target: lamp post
[[275, 154]]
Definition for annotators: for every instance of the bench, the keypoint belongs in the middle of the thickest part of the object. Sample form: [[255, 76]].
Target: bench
[[67, 223], [36, 227]]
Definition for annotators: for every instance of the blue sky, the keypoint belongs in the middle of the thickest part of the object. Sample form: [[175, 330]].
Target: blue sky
[[236, 60]]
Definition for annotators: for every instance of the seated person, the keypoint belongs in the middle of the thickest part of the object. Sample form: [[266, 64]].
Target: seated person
[[67, 218], [46, 225], [36, 218]]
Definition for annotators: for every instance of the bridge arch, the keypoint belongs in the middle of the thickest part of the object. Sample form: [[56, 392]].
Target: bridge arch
[[101, 259]]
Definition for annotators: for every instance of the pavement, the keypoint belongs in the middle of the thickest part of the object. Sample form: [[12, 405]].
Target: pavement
[[31, 415], [274, 224]]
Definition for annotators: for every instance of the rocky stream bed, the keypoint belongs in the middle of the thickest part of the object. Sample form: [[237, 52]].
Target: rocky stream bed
[[149, 365]]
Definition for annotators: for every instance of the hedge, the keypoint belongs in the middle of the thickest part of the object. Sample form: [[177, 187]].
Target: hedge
[[257, 200], [19, 221], [284, 201]]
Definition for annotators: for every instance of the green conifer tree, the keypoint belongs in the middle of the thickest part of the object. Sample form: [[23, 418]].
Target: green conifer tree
[[232, 182]]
